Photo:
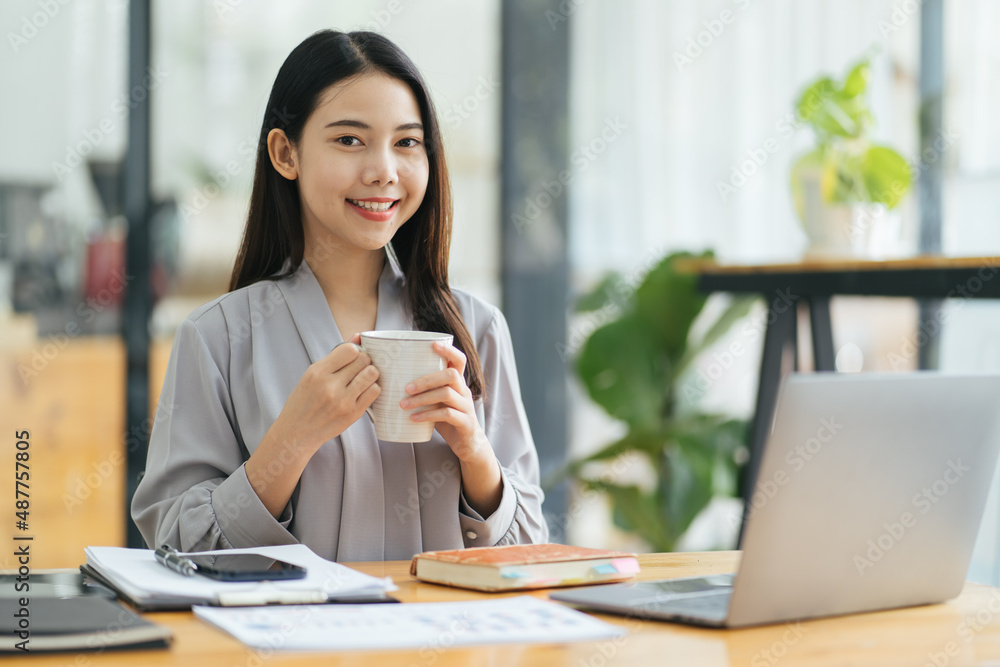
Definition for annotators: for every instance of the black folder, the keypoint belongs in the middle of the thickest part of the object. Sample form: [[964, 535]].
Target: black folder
[[84, 623]]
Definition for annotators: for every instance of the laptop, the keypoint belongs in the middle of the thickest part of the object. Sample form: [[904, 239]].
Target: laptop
[[869, 496]]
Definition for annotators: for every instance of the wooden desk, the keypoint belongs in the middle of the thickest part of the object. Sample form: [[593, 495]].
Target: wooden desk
[[813, 283], [912, 636]]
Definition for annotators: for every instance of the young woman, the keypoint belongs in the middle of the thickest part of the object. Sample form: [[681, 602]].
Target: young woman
[[260, 435]]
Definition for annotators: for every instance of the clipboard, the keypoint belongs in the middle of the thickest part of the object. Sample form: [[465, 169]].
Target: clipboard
[[137, 578], [185, 604]]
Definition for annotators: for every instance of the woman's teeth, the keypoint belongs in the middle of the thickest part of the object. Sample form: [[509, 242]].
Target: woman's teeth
[[372, 205]]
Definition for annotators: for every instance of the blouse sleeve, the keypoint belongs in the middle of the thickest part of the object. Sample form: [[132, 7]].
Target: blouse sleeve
[[518, 519], [194, 494]]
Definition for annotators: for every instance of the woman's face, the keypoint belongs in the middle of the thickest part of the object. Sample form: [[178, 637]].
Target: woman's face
[[361, 164]]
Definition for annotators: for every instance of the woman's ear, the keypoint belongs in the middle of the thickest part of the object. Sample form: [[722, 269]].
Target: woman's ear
[[282, 153]]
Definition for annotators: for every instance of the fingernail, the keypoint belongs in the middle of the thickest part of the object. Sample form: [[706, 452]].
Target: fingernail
[[410, 388], [404, 403]]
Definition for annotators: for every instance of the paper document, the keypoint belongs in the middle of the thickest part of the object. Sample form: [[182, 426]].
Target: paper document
[[137, 575], [427, 625]]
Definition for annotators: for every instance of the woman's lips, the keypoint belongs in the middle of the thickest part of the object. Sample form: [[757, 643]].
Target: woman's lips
[[375, 209]]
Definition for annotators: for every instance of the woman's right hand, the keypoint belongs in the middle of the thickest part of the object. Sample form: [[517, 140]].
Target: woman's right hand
[[331, 395]]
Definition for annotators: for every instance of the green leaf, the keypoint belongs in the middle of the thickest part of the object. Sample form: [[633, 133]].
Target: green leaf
[[667, 303], [828, 111], [841, 116], [731, 438], [736, 311], [810, 102], [857, 80], [611, 290], [807, 166], [684, 487], [623, 367], [634, 441], [649, 443], [712, 441], [849, 182], [638, 512], [836, 111], [725, 477], [886, 175]]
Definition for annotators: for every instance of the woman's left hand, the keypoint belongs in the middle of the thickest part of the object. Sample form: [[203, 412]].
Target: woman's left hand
[[454, 411], [454, 414]]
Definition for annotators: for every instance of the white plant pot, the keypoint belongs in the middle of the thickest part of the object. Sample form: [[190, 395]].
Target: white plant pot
[[837, 230]]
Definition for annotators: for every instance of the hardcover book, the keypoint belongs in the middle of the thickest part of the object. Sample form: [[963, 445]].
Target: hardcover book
[[523, 566]]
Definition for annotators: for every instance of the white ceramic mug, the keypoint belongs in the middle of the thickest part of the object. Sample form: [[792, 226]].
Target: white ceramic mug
[[401, 357]]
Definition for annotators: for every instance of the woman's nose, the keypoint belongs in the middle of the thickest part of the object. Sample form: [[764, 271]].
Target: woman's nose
[[380, 168]]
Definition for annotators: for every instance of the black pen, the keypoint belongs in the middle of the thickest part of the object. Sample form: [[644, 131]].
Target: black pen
[[170, 559]]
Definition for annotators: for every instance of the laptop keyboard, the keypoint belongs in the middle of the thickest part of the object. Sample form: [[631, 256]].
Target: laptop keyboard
[[703, 604]]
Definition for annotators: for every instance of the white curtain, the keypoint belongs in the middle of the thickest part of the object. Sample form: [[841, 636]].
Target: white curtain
[[701, 87]]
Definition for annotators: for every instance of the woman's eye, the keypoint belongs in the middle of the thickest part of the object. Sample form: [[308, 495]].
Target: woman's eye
[[409, 142], [349, 141]]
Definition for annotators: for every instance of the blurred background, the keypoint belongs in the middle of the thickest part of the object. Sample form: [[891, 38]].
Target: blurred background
[[583, 136]]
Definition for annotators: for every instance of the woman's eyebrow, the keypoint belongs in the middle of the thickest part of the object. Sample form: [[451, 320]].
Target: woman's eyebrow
[[365, 126]]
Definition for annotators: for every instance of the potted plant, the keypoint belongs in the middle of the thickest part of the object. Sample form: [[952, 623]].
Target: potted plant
[[847, 183], [637, 368]]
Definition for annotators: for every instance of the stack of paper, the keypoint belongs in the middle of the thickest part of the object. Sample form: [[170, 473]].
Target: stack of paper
[[423, 625], [136, 575]]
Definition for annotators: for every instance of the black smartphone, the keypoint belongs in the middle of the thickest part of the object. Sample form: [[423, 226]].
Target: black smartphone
[[245, 567]]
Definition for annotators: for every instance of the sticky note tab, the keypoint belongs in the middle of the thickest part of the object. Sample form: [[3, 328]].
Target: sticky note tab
[[626, 565], [607, 568], [512, 574], [548, 583]]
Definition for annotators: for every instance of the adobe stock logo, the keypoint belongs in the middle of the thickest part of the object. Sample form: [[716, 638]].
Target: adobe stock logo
[[713, 28], [30, 26], [580, 160], [779, 647], [484, 90], [797, 457], [924, 501]]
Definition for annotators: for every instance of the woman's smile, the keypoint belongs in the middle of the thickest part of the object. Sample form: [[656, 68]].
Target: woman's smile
[[379, 209]]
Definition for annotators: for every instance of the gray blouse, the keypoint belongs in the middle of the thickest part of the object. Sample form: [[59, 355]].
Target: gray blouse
[[234, 363]]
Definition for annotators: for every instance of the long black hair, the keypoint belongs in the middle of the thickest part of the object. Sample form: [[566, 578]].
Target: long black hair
[[274, 232]]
